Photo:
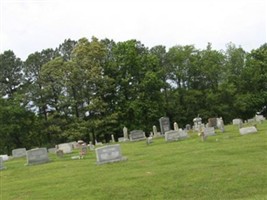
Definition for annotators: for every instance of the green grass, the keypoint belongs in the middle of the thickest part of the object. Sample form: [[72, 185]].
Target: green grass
[[226, 166]]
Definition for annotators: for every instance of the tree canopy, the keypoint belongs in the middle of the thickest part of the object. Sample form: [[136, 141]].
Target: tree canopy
[[90, 89]]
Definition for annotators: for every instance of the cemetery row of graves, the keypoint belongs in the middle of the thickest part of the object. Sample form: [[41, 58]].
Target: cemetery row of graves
[[111, 152]]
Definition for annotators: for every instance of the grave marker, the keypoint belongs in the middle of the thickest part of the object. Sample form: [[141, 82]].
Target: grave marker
[[109, 154], [137, 135], [18, 153], [247, 130], [164, 124], [37, 156], [2, 164], [65, 147]]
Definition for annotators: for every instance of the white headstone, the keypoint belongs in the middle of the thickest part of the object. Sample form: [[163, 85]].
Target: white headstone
[[109, 154], [65, 147], [37, 156], [18, 153], [4, 157], [237, 121], [125, 132], [247, 130], [175, 126], [112, 138]]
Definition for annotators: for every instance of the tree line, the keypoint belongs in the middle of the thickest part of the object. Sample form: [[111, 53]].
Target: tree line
[[90, 89]]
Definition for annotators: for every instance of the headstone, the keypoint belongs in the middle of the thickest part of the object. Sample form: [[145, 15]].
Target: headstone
[[197, 123], [74, 145], [18, 153], [171, 136], [259, 118], [188, 127], [59, 153], [247, 130], [2, 164], [220, 124], [52, 150], [112, 138], [175, 126], [252, 120], [65, 147], [123, 139], [91, 146], [137, 135], [212, 122], [237, 121], [109, 154], [4, 157], [164, 124], [37, 156], [209, 131], [125, 133]]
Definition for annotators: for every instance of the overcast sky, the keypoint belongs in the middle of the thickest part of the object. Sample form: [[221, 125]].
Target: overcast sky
[[30, 26]]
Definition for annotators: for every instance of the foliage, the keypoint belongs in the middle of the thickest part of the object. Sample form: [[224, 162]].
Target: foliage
[[90, 89]]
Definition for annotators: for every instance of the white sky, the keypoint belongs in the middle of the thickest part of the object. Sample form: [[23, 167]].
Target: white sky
[[28, 26]]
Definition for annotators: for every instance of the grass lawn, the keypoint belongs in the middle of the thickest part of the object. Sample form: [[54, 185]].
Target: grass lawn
[[225, 166]]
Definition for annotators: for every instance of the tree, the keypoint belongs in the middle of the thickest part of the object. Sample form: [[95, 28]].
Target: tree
[[11, 74]]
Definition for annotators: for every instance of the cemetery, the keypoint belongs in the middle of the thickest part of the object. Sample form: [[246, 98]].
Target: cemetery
[[228, 164]]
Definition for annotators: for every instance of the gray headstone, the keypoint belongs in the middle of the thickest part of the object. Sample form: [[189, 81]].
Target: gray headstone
[[109, 154], [125, 132], [123, 139], [188, 127], [52, 150], [175, 135], [18, 153], [247, 130], [164, 124], [209, 131], [112, 138], [137, 135], [237, 121], [2, 164], [37, 156], [65, 147]]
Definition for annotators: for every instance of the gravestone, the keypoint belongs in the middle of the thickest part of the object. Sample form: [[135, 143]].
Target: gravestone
[[74, 145], [2, 164], [125, 133], [52, 150], [109, 154], [259, 118], [188, 127], [197, 123], [212, 122], [209, 131], [65, 147], [83, 150], [164, 124], [252, 120], [4, 157], [91, 146], [247, 130], [137, 135], [237, 121], [37, 156], [112, 138], [18, 153], [59, 153], [173, 135], [155, 131], [175, 126]]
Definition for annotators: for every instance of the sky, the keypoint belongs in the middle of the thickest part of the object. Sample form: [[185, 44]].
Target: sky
[[27, 26]]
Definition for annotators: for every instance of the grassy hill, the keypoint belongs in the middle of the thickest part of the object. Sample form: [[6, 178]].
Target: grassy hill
[[226, 166]]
